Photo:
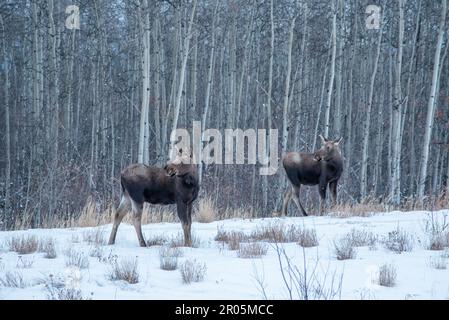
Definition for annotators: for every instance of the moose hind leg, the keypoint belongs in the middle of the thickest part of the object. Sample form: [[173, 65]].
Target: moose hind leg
[[287, 197], [137, 221], [333, 190], [119, 214], [295, 193]]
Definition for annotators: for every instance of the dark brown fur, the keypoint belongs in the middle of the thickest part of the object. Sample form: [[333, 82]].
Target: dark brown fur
[[322, 168], [176, 183]]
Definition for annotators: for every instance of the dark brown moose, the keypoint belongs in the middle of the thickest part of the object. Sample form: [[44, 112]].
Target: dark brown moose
[[176, 183], [322, 168]]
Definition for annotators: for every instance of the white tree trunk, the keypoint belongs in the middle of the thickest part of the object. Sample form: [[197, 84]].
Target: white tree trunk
[[431, 106], [365, 144], [332, 71]]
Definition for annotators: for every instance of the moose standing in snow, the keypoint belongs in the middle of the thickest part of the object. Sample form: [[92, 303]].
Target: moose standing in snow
[[176, 183], [322, 168]]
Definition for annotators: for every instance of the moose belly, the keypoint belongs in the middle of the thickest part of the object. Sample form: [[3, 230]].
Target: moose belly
[[159, 197]]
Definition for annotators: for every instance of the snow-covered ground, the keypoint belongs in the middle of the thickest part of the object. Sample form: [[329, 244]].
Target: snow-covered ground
[[231, 277]]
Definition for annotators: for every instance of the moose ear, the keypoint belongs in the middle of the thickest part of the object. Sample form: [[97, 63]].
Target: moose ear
[[323, 139], [337, 142]]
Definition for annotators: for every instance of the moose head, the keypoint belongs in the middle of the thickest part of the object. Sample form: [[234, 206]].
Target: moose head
[[329, 149]]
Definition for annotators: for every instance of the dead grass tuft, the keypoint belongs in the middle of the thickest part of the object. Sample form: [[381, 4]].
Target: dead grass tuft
[[193, 271], [24, 244], [252, 250], [207, 211]]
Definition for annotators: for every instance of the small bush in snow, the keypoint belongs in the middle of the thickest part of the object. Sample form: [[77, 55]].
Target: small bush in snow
[[23, 244], [438, 262], [193, 271], [48, 247], [206, 212], [178, 241], [95, 237], [231, 238], [362, 238], [344, 248], [74, 238], [56, 289], [125, 270], [387, 275], [76, 259], [252, 250], [277, 232], [157, 240], [24, 263], [437, 231], [168, 257], [96, 252], [398, 241], [307, 238], [13, 279]]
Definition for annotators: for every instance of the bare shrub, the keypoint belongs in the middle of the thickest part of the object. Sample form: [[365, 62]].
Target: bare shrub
[[307, 238], [398, 241], [74, 238], [252, 250], [439, 262], [278, 232], [437, 230], [48, 247], [304, 282], [344, 248], [24, 263], [206, 212], [13, 279], [96, 252], [23, 244], [387, 275], [56, 289], [76, 259], [362, 238], [168, 257], [125, 270], [193, 271], [156, 240], [94, 236], [231, 238]]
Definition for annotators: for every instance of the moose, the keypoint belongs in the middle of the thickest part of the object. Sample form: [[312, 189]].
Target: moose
[[323, 167], [176, 183]]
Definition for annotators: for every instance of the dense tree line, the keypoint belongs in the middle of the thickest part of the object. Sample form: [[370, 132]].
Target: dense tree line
[[77, 105]]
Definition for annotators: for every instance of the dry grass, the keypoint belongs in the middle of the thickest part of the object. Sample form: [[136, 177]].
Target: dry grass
[[436, 228], [231, 238], [307, 238], [193, 271], [125, 270], [398, 241], [178, 240], [344, 248], [438, 262], [24, 244], [207, 211], [13, 279], [362, 238], [56, 289], [48, 247], [252, 250], [94, 237], [156, 240], [357, 210], [76, 259], [277, 232], [387, 275], [24, 262]]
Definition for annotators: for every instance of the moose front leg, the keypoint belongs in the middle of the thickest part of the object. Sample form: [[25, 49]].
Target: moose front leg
[[322, 190], [333, 190], [137, 221], [287, 197], [185, 215]]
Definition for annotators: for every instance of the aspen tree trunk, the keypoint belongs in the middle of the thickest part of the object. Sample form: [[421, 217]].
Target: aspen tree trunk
[[395, 191], [55, 74], [338, 77], [285, 115], [367, 124], [185, 51], [434, 91], [143, 152], [6, 86], [332, 71]]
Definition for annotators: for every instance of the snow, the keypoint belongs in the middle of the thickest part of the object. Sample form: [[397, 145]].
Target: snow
[[230, 277]]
